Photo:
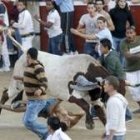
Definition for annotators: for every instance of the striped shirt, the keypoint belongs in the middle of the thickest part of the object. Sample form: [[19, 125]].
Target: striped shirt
[[34, 79]]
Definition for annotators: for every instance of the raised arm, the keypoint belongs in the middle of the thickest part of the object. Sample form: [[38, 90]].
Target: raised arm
[[82, 35]]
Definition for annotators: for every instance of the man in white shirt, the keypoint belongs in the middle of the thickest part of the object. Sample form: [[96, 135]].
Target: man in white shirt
[[53, 28], [116, 109], [88, 23], [25, 25], [5, 22]]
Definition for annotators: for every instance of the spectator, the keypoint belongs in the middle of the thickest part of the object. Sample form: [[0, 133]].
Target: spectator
[[110, 60], [121, 17], [67, 13], [13, 17], [3, 12], [53, 28], [132, 62], [25, 25], [55, 130], [115, 111], [4, 22], [99, 8], [103, 31], [88, 23]]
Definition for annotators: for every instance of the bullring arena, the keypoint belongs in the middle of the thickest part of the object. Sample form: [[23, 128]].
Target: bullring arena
[[11, 126]]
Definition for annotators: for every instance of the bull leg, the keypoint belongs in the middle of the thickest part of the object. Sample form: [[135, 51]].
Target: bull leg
[[4, 98], [100, 113], [85, 106]]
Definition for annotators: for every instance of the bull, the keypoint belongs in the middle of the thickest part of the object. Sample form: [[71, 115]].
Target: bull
[[62, 73]]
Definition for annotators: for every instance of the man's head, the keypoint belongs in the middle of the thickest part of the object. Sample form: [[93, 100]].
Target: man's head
[[53, 123], [50, 5], [99, 5], [105, 45], [32, 55], [111, 83], [91, 8], [130, 34], [21, 5], [101, 22]]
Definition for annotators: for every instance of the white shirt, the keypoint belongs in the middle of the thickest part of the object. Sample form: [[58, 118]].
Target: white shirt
[[116, 109], [25, 23], [105, 33], [55, 29], [58, 135]]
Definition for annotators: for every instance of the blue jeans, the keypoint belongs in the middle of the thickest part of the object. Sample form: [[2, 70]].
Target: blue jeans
[[66, 24], [122, 137], [54, 46], [49, 103], [30, 118], [116, 43], [89, 48], [128, 114]]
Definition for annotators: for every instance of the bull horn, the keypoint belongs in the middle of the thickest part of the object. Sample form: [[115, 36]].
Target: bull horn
[[4, 98], [17, 44], [8, 107]]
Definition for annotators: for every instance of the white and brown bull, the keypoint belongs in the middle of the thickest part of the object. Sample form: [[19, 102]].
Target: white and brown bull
[[62, 71]]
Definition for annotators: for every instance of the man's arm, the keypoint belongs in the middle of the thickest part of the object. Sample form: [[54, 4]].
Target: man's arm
[[125, 51], [46, 24], [110, 137], [130, 56], [43, 83], [82, 35]]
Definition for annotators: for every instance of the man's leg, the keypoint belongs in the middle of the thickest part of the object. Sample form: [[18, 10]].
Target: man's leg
[[134, 78], [31, 115]]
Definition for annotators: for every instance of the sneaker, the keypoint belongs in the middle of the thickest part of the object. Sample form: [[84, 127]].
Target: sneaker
[[75, 53], [1, 69], [129, 120], [71, 53], [136, 111], [6, 69]]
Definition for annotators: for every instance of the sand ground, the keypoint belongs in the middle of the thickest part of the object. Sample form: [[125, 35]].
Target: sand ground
[[11, 127]]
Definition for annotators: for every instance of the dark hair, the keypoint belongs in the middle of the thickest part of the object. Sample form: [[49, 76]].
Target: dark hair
[[33, 52], [106, 43], [63, 126], [90, 2], [24, 2], [101, 1], [102, 18], [54, 5], [54, 122], [112, 80]]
